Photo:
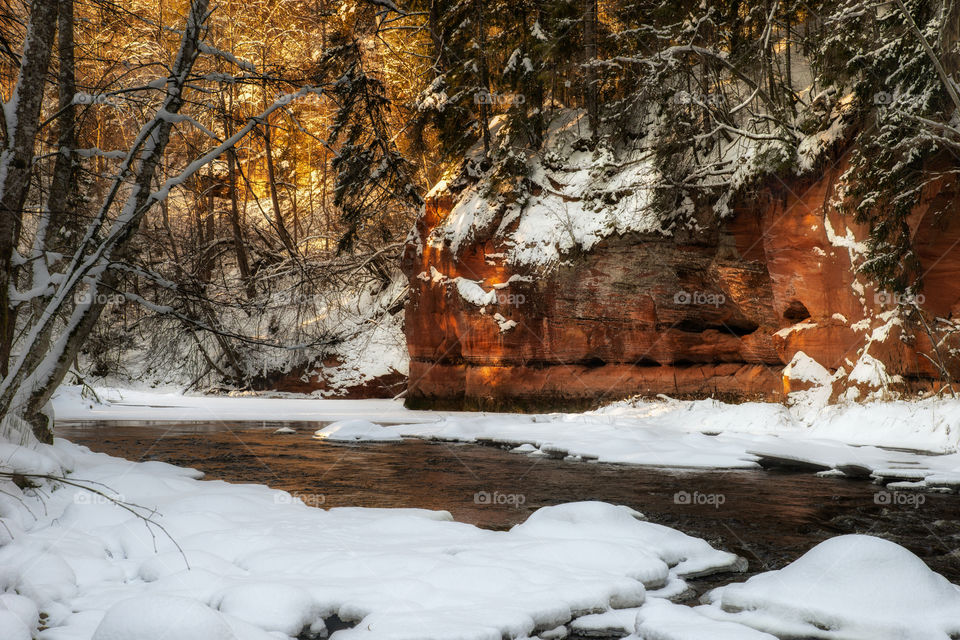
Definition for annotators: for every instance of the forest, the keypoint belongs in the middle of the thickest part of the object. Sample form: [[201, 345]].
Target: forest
[[216, 193]]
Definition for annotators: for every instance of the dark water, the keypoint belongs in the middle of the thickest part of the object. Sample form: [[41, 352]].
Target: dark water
[[770, 518]]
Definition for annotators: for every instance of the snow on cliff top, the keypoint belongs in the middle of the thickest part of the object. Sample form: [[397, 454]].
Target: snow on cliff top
[[584, 196]]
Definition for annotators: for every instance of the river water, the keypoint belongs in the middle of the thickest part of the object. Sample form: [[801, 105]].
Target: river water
[[768, 517]]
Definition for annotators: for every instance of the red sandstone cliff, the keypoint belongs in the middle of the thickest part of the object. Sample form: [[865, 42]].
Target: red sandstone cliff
[[715, 312]]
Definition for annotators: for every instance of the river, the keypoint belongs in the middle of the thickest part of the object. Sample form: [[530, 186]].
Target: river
[[768, 517]]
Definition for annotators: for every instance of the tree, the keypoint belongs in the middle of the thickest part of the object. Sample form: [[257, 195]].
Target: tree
[[35, 374], [21, 124]]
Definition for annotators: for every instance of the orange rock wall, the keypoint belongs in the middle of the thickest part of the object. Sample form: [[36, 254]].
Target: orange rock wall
[[717, 314]]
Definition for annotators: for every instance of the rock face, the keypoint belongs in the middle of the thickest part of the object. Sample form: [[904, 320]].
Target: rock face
[[313, 381], [715, 313]]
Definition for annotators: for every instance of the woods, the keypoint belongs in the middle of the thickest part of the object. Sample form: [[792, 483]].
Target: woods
[[222, 192]]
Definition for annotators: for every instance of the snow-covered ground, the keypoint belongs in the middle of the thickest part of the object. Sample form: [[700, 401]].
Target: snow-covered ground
[[244, 562], [111, 403], [853, 439]]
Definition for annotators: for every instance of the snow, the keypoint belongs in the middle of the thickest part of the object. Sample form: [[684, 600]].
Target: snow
[[803, 368], [711, 435], [472, 292], [118, 404], [854, 587], [159, 617], [871, 372], [663, 620], [18, 617], [583, 198], [254, 566], [356, 431]]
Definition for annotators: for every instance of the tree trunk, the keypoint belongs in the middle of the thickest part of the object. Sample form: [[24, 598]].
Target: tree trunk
[[62, 199], [274, 197], [16, 160], [590, 71], [484, 77], [949, 38], [239, 248]]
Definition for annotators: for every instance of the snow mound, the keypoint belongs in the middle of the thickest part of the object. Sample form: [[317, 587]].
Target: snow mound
[[854, 587], [12, 627], [616, 524], [270, 606], [162, 618], [356, 431], [872, 373]]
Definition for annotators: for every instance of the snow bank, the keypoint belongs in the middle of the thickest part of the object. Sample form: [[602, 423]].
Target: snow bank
[[130, 404], [706, 434], [663, 620], [257, 564], [853, 587]]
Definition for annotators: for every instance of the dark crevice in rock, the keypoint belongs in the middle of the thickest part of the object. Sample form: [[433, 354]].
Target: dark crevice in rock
[[796, 311]]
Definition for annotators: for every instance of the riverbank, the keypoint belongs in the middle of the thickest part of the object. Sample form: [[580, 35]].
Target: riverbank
[[89, 560]]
